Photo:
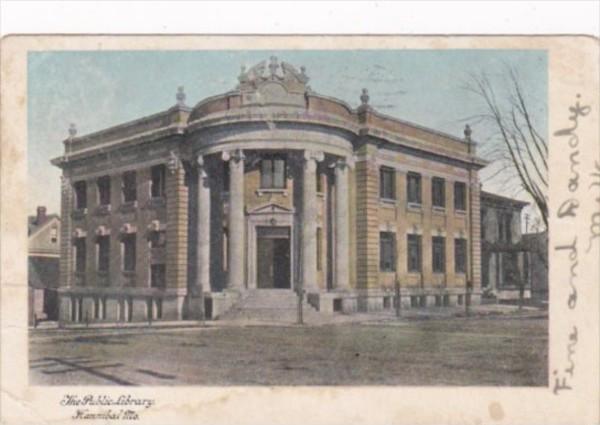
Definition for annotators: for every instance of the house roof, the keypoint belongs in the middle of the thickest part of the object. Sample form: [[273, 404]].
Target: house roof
[[492, 197], [33, 226]]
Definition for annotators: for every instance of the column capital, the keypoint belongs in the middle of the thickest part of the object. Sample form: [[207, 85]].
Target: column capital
[[343, 163], [237, 155], [317, 156]]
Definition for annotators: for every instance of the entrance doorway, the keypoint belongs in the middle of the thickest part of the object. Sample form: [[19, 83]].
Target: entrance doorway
[[273, 257]]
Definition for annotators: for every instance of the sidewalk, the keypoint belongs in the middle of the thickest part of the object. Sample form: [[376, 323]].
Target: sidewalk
[[386, 316]]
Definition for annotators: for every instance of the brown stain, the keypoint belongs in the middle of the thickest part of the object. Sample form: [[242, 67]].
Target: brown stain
[[496, 411]]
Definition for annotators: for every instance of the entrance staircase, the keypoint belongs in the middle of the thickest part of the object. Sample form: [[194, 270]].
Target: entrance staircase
[[270, 306]]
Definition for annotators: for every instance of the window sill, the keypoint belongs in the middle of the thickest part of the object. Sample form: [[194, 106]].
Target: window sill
[[128, 273], [460, 212], [102, 273], [261, 192], [321, 194], [388, 202], [439, 210], [387, 271], [411, 206]]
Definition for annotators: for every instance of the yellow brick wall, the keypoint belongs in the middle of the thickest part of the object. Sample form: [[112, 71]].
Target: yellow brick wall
[[397, 217]]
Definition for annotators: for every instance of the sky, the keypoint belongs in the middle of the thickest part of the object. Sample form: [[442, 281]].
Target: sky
[[98, 89]]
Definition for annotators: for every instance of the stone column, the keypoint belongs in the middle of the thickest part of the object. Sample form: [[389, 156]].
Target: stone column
[[236, 228], [342, 222], [309, 221], [203, 229]]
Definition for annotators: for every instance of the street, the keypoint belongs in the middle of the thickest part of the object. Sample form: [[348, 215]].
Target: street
[[475, 351]]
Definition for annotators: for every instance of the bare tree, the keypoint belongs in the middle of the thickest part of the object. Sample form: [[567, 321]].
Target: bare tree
[[522, 146]]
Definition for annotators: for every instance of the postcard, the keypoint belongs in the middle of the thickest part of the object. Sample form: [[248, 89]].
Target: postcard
[[300, 229]]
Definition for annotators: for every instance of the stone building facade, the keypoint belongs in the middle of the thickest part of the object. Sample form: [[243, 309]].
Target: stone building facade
[[269, 186]]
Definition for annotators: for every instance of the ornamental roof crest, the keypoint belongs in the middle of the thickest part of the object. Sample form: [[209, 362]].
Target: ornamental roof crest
[[273, 82]]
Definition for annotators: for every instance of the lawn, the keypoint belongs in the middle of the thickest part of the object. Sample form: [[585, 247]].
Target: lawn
[[477, 351]]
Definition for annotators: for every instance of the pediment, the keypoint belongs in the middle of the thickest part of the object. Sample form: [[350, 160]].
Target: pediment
[[270, 209]]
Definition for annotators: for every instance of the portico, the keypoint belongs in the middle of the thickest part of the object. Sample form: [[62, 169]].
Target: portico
[[274, 221]]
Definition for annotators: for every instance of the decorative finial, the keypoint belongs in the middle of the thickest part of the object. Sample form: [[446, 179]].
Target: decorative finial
[[273, 66], [364, 97], [468, 132], [72, 130], [180, 96]]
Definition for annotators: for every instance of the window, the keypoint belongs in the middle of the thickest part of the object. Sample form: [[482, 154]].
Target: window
[[157, 275], [414, 253], [460, 255], [80, 255], [413, 188], [483, 223], [387, 183], [504, 227], [103, 247], [272, 173], [128, 186], [438, 254], [158, 239], [157, 184], [438, 192], [53, 235], [460, 196], [319, 248], [128, 252], [387, 251], [80, 188], [103, 190]]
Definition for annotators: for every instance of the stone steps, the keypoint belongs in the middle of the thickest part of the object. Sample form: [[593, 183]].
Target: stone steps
[[271, 305]]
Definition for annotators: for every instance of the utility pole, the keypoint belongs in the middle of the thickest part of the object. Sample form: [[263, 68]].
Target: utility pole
[[300, 292], [468, 288], [299, 288], [397, 300]]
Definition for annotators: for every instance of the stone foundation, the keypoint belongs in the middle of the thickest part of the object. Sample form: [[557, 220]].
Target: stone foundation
[[89, 305]]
